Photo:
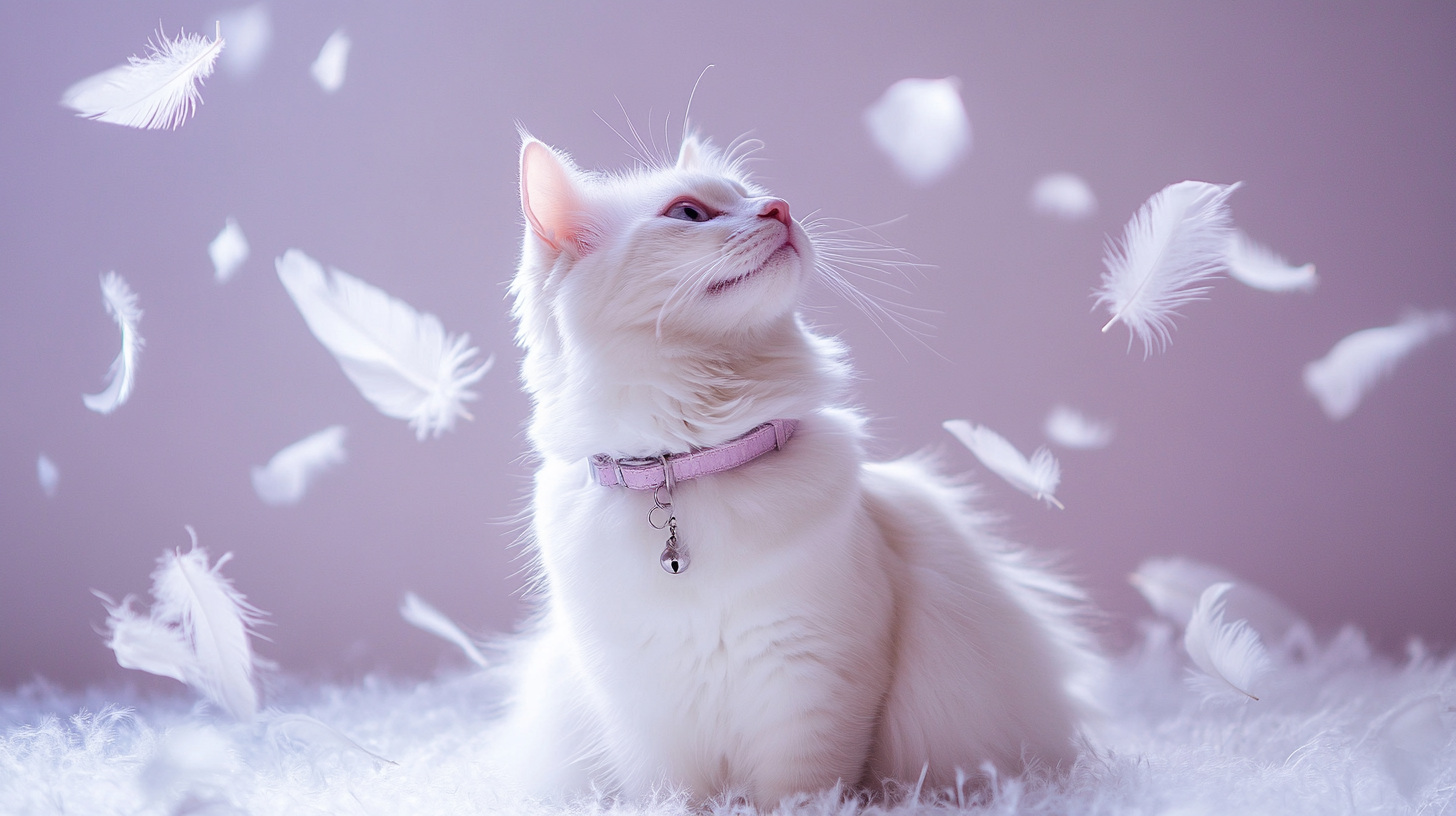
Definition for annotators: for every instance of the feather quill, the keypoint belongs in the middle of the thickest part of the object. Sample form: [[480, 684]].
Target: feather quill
[[332, 62], [414, 610], [1037, 477], [1341, 378], [288, 474], [155, 91], [121, 303], [401, 361], [197, 630], [228, 251], [1175, 242], [1229, 655], [1070, 429], [1256, 265]]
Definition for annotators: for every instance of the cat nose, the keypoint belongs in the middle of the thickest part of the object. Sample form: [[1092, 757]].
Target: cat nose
[[775, 208]]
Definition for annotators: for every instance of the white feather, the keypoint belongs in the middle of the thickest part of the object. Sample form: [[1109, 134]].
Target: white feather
[[288, 474], [1065, 195], [1173, 586], [400, 360], [1071, 429], [250, 32], [197, 631], [1037, 478], [1411, 737], [228, 251], [921, 124], [155, 91], [1175, 242], [48, 474], [1341, 378], [121, 304], [414, 610], [332, 63], [1256, 265], [1228, 655]]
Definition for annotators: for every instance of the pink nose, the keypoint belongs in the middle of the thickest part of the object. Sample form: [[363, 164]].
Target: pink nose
[[775, 208]]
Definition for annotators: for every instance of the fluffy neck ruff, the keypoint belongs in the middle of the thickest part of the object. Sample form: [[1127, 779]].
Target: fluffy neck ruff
[[637, 397]]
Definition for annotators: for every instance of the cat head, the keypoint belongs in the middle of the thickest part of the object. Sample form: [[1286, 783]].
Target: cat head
[[681, 255]]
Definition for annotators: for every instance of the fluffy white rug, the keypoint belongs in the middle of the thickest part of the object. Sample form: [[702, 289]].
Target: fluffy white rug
[[1343, 731]]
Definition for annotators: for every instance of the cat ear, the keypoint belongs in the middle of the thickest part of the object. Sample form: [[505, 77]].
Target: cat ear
[[550, 199], [690, 156]]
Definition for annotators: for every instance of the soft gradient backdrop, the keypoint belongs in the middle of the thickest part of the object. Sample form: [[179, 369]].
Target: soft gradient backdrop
[[1338, 116]]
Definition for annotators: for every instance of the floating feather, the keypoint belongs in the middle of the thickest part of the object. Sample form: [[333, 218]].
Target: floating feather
[[1070, 429], [414, 610], [1173, 244], [922, 125], [250, 32], [1341, 378], [1256, 265], [1228, 655], [155, 91], [1037, 478], [400, 360], [197, 631], [1173, 587], [228, 251], [121, 304], [332, 63], [1065, 195], [48, 474], [288, 474]]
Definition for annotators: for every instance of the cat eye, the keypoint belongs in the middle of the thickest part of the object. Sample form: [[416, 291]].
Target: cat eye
[[689, 210]]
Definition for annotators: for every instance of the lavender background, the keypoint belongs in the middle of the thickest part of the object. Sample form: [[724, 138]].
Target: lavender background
[[1339, 118]]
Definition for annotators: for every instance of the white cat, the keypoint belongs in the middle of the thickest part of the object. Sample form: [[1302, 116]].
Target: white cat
[[833, 620]]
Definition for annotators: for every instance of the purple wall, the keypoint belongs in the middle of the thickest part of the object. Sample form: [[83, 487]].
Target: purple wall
[[1338, 118]]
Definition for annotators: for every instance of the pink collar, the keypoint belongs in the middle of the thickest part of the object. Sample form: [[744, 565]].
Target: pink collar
[[650, 474]]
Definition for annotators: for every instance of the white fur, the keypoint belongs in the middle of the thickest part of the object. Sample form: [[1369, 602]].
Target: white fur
[[841, 621]]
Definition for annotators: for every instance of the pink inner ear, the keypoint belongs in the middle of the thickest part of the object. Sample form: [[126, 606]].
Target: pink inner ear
[[549, 198]]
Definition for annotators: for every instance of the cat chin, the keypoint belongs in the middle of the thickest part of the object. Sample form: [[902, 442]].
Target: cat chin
[[785, 259]]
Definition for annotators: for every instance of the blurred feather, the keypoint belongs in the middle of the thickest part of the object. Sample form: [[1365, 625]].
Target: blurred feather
[[1341, 378], [332, 63], [1177, 240], [1037, 478], [316, 737], [288, 474], [197, 631], [48, 474], [1070, 429], [1256, 265], [190, 763], [1173, 586], [414, 610], [1410, 736], [1229, 655], [250, 32], [400, 360], [922, 125], [1065, 195], [155, 91], [228, 251], [121, 304]]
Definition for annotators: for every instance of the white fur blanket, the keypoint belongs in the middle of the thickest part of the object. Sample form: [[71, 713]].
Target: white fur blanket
[[1342, 732]]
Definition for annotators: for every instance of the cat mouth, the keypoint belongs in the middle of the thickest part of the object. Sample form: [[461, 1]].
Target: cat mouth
[[778, 256]]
